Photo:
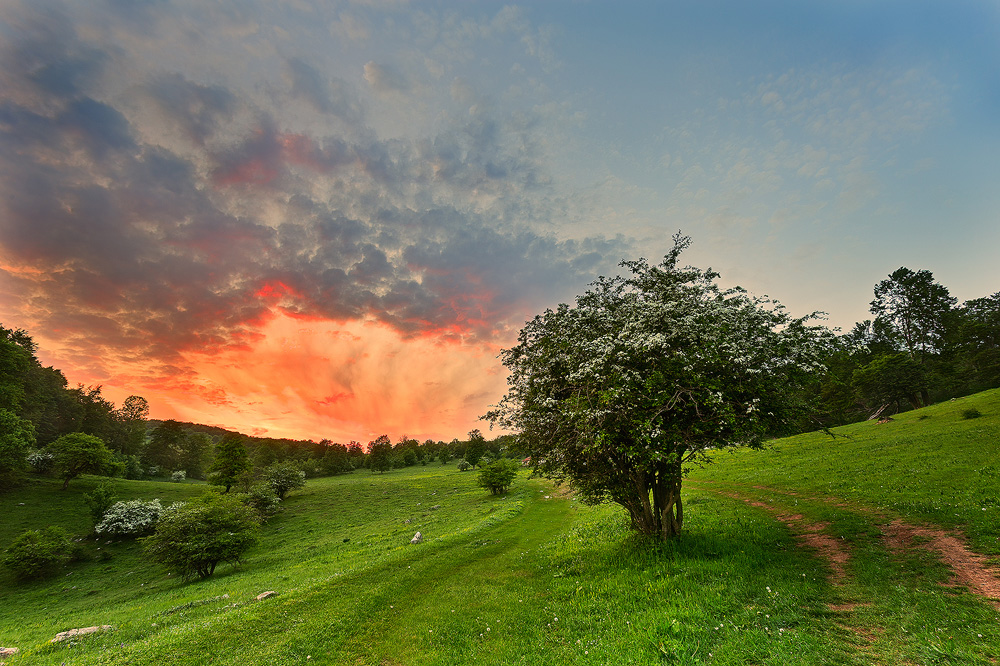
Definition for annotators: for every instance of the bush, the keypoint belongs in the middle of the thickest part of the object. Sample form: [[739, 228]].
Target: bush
[[130, 519], [132, 467], [463, 465], [40, 461], [178, 476], [498, 475], [100, 500], [194, 538], [37, 553], [284, 477], [262, 499], [971, 413]]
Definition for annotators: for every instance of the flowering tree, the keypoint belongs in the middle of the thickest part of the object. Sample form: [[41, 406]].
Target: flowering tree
[[645, 374]]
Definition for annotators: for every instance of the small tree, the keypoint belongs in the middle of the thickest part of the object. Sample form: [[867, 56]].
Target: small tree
[[476, 448], [380, 454], [76, 453], [645, 375], [37, 553], [497, 476], [231, 460], [194, 538], [283, 477]]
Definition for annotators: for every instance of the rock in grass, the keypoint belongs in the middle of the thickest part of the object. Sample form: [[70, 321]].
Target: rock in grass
[[417, 538], [72, 633], [266, 595]]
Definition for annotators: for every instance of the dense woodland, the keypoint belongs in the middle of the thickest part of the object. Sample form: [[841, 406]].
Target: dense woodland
[[920, 346]]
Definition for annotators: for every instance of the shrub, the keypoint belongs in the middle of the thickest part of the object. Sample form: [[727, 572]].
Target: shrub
[[284, 477], [194, 538], [132, 467], [100, 500], [971, 413], [463, 465], [178, 476], [262, 499], [37, 553], [130, 519], [40, 461], [498, 475]]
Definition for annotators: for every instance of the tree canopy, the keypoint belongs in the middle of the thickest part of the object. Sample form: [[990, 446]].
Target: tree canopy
[[645, 374], [77, 453], [231, 460]]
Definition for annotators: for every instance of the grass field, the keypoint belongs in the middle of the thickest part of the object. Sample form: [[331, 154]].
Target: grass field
[[537, 578]]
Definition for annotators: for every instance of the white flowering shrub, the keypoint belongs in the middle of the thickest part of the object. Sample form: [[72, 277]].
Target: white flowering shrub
[[464, 465], [131, 518], [40, 461], [284, 477], [178, 476]]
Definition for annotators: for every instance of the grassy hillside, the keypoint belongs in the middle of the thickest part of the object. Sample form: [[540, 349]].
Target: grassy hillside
[[536, 578], [931, 464]]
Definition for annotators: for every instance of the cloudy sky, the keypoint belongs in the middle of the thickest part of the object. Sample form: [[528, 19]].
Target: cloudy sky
[[319, 219]]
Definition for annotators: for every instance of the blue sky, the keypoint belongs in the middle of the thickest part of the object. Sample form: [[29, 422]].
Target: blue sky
[[323, 219]]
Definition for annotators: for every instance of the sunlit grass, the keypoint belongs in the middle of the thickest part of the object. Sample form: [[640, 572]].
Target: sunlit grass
[[535, 577]]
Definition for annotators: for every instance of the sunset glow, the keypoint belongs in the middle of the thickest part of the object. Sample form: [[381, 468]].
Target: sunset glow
[[327, 219]]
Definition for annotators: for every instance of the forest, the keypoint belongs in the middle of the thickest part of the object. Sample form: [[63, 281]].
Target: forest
[[920, 346]]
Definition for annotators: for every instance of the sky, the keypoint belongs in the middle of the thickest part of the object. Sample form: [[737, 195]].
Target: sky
[[318, 219]]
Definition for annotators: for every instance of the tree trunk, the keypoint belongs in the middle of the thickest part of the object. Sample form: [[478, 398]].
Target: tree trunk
[[661, 515]]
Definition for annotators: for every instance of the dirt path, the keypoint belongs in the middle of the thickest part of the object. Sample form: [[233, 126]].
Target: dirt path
[[969, 569]]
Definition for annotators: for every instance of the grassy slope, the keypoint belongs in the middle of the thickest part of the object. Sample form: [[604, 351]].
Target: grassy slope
[[929, 465], [535, 578]]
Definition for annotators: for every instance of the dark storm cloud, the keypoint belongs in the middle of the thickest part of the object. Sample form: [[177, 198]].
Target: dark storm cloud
[[151, 249], [197, 109]]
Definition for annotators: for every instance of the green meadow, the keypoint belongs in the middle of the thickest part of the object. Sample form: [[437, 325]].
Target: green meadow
[[535, 577]]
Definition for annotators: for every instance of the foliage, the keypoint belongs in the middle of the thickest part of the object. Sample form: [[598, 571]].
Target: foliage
[[99, 500], [380, 454], [463, 465], [178, 476], [130, 519], [261, 498], [497, 476], [915, 307], [231, 460], [476, 448], [40, 460], [131, 432], [76, 453], [971, 413], [890, 379], [37, 553], [284, 477], [196, 537], [17, 436], [646, 373], [132, 467]]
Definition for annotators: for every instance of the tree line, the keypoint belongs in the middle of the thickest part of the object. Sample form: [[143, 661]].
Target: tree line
[[38, 409], [919, 347]]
